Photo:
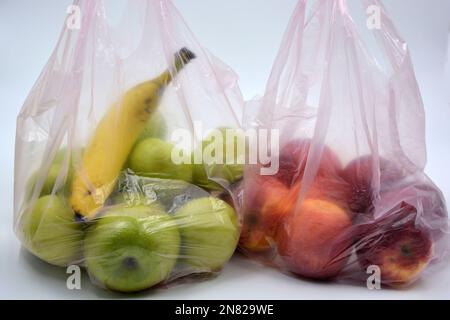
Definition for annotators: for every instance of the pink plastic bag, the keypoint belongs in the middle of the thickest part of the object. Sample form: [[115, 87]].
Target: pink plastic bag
[[97, 181], [350, 199]]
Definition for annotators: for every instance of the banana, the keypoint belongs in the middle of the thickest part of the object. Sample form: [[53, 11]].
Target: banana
[[113, 139]]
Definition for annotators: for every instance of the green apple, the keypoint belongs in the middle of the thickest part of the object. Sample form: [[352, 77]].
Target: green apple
[[75, 153], [52, 174], [48, 183], [156, 127], [132, 248], [209, 233], [226, 171], [51, 232], [153, 158]]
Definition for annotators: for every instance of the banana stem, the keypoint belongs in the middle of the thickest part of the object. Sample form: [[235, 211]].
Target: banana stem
[[182, 57]]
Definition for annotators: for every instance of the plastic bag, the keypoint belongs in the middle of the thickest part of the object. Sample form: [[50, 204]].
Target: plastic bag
[[350, 200], [105, 175]]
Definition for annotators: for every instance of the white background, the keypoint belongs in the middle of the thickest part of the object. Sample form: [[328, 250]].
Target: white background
[[246, 35]]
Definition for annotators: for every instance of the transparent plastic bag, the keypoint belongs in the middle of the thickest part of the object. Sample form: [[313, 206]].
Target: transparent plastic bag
[[105, 175], [350, 199]]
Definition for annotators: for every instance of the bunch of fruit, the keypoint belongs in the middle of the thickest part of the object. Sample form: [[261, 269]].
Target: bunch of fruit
[[317, 216], [126, 211]]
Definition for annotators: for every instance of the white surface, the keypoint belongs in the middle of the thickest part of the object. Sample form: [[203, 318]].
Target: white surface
[[246, 35]]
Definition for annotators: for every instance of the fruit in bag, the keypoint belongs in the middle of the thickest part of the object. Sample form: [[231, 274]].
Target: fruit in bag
[[51, 231], [108, 192], [56, 169], [152, 158], [401, 254], [360, 173], [266, 203], [209, 232], [293, 160], [156, 127], [231, 158], [310, 241], [352, 157], [114, 138], [132, 248]]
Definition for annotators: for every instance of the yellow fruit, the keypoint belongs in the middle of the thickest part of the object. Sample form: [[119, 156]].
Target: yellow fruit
[[113, 140]]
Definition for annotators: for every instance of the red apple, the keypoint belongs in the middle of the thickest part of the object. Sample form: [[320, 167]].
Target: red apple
[[293, 159], [313, 241], [254, 236], [397, 241], [401, 253], [264, 206], [331, 188], [361, 173]]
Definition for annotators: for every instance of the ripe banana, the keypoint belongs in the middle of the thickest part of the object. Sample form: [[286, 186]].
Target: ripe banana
[[113, 140]]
